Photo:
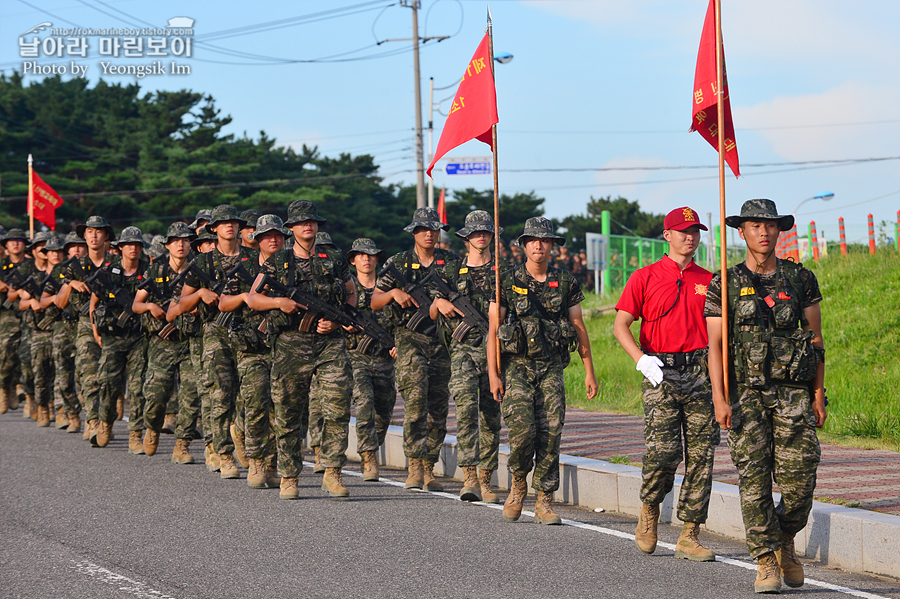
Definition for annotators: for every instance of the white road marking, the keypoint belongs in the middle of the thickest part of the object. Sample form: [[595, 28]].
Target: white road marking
[[123, 583]]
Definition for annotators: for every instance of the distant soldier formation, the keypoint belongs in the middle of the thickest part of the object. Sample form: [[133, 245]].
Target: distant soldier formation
[[251, 334]]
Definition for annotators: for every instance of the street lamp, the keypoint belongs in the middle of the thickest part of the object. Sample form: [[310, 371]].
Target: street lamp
[[824, 196]]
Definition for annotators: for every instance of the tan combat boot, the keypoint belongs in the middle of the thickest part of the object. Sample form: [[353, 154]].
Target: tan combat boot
[[256, 474], [431, 483], [543, 510], [487, 494], [120, 407], [135, 443], [688, 547], [169, 423], [512, 509], [62, 419], [240, 453], [791, 568], [212, 459], [151, 441], [4, 401], [318, 468], [181, 454], [645, 535], [333, 483], [289, 488], [369, 466], [13, 399], [415, 480], [30, 407], [469, 491], [74, 424], [43, 416], [90, 430], [227, 467], [768, 578], [104, 434], [271, 471]]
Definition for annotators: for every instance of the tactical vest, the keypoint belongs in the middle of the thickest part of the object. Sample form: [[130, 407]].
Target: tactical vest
[[211, 263], [408, 264], [323, 280], [767, 344], [464, 283], [537, 329], [107, 312], [364, 303], [81, 270], [6, 265]]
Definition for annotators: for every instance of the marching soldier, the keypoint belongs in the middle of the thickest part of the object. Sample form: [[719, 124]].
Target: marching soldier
[[423, 363], [250, 217], [477, 414], [42, 336], [544, 325], [668, 297], [199, 225], [10, 321], [777, 396], [30, 266]]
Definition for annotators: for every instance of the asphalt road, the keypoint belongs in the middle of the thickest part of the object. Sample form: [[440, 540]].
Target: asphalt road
[[77, 521]]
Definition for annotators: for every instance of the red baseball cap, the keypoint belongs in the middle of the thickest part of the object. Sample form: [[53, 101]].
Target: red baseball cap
[[682, 218]]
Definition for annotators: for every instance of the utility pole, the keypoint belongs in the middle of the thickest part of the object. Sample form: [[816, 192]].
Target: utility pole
[[420, 154]]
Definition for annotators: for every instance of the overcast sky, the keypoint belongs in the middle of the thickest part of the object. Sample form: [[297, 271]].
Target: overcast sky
[[593, 85]]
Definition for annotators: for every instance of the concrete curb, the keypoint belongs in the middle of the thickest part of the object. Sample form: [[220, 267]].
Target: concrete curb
[[847, 538]]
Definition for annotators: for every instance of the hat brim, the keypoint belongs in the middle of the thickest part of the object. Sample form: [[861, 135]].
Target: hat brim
[[785, 221], [466, 231], [434, 225], [257, 232], [303, 218], [556, 239], [687, 225], [169, 238], [127, 240], [215, 223], [110, 234], [380, 254]]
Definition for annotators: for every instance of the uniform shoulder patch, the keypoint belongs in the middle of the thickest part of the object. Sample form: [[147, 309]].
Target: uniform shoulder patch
[[747, 291], [519, 290]]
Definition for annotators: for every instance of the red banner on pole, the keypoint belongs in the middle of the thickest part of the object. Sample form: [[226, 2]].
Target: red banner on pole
[[45, 201], [474, 108], [705, 96]]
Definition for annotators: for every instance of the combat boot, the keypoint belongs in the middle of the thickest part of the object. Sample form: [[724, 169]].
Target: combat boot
[[169, 423], [645, 535], [543, 509], [13, 399], [318, 468], [43, 416], [212, 459], [431, 483], [104, 434], [239, 450], [415, 480], [256, 474], [62, 419], [369, 466], [227, 467], [487, 494], [30, 407], [120, 407], [74, 424], [471, 485], [4, 401], [271, 471], [333, 483], [289, 488], [90, 430], [512, 509], [151, 441], [688, 547], [791, 568], [181, 453], [768, 578], [135, 443]]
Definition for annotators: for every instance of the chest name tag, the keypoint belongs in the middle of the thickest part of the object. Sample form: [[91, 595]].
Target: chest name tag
[[748, 291], [116, 271], [783, 296], [463, 271], [553, 284], [323, 255], [416, 266], [440, 262], [519, 290]]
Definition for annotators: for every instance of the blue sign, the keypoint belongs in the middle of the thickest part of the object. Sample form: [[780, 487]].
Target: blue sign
[[467, 168]]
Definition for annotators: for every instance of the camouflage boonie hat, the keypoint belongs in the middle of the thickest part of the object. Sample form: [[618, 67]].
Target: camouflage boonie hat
[[324, 239], [541, 228], [54, 244], [15, 234], [158, 240], [205, 214], [761, 209], [250, 217], [477, 220], [96, 222], [426, 217], [40, 237], [155, 251], [148, 239], [302, 210], [266, 223], [224, 213], [131, 235], [364, 245], [203, 237], [176, 230], [73, 239]]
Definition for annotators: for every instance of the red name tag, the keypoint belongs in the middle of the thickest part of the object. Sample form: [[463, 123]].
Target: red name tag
[[783, 296], [440, 262], [323, 255], [769, 301], [553, 283]]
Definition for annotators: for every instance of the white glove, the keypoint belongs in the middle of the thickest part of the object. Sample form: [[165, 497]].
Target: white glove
[[650, 368]]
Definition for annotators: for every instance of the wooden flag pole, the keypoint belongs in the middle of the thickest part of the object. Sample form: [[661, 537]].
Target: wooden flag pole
[[723, 241], [490, 31], [30, 200]]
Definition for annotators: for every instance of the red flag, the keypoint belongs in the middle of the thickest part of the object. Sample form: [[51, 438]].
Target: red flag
[[474, 108], [442, 208], [705, 98], [45, 201]]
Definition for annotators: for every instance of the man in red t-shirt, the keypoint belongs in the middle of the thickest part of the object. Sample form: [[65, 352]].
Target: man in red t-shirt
[[668, 296]]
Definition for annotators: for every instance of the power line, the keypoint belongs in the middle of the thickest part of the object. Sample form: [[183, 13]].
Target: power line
[[690, 167], [657, 131]]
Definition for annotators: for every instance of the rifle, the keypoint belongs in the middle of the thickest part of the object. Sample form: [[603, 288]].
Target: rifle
[[472, 317], [16, 281], [421, 297], [317, 309], [122, 297], [51, 312], [223, 319], [150, 286]]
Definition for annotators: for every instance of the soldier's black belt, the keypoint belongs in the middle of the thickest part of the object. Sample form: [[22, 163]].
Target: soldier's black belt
[[681, 359]]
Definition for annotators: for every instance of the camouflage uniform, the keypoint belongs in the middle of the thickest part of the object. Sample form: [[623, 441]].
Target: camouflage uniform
[[10, 332], [26, 324], [87, 352], [534, 406], [423, 363], [773, 434], [64, 329]]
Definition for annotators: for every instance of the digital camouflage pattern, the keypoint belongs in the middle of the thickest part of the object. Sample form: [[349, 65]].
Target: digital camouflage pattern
[[121, 370], [219, 363], [64, 366], [203, 386], [87, 367], [679, 420], [477, 413], [374, 397], [10, 336], [43, 367], [168, 361], [256, 396]]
